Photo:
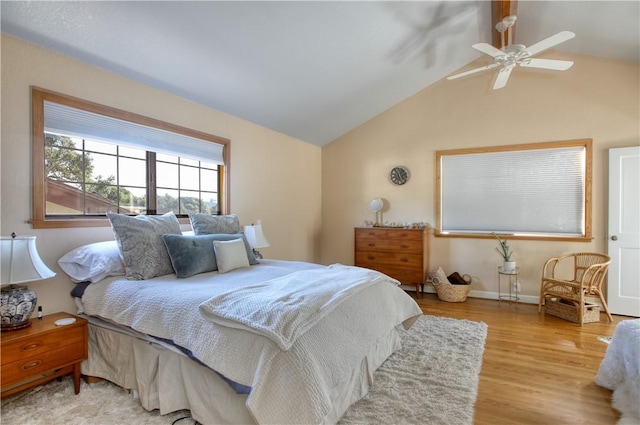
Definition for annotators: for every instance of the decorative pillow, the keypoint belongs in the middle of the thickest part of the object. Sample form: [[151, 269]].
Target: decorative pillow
[[141, 245], [93, 262], [190, 254], [194, 254], [438, 274], [206, 224], [230, 255]]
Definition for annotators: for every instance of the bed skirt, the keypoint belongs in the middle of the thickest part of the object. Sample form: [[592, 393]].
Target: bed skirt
[[168, 380]]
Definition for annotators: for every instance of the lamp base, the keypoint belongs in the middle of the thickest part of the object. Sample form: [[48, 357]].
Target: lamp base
[[10, 328], [257, 254], [16, 306]]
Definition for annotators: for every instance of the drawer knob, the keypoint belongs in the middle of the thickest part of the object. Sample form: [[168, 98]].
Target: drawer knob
[[371, 257], [372, 244], [404, 259], [31, 365], [31, 346]]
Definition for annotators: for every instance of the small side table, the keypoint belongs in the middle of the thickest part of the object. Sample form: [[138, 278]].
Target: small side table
[[42, 352], [512, 276]]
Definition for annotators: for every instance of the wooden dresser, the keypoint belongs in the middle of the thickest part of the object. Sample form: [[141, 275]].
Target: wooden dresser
[[400, 253], [43, 351]]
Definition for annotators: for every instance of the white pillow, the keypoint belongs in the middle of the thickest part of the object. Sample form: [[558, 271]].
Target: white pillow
[[93, 262], [230, 255]]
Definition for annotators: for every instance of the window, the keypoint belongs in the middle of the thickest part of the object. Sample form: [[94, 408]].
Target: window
[[89, 159], [535, 191]]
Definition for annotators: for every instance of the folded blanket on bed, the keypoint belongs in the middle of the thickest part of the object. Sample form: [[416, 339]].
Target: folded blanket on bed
[[284, 308]]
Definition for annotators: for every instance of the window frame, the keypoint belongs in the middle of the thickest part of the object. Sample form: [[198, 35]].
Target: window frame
[[586, 143], [39, 219]]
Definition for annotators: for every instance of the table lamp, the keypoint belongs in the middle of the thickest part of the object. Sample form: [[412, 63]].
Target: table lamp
[[20, 263], [256, 238]]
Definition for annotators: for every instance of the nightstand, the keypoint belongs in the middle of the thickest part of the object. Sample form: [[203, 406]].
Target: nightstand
[[42, 352]]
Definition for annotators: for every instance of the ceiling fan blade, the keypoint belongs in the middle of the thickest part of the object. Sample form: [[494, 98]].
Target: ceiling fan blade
[[502, 77], [472, 71], [547, 64], [488, 49], [550, 42]]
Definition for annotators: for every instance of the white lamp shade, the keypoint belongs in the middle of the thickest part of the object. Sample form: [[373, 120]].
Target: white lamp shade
[[20, 261], [255, 236]]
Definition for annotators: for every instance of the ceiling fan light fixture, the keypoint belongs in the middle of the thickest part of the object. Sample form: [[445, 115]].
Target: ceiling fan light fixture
[[509, 21], [517, 54]]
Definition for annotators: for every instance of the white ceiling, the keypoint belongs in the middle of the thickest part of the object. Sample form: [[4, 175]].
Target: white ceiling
[[312, 70]]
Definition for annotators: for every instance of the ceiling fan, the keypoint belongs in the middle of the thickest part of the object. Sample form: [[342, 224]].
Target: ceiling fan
[[511, 55]]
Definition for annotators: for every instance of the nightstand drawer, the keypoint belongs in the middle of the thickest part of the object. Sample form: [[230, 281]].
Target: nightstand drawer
[[19, 349], [28, 367]]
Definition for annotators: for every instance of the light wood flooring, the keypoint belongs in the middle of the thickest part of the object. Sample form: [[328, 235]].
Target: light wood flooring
[[537, 369]]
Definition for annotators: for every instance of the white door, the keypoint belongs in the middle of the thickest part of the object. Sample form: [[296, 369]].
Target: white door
[[624, 231]]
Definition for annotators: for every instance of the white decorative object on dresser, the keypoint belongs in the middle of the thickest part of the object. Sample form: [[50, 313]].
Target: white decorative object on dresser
[[398, 252]]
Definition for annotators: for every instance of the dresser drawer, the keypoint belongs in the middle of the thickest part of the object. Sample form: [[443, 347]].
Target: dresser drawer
[[396, 259], [31, 366], [21, 348], [404, 275], [389, 245], [406, 235], [372, 233]]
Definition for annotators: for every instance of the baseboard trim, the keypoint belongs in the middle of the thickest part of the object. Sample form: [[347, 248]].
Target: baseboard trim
[[525, 299]]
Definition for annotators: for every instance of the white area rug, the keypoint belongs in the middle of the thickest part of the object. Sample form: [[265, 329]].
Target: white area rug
[[433, 380]]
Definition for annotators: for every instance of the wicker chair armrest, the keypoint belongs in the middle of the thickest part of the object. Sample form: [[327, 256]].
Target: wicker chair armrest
[[549, 269], [593, 276]]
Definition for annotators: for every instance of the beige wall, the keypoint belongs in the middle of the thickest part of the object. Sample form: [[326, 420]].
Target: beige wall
[[273, 177], [596, 98]]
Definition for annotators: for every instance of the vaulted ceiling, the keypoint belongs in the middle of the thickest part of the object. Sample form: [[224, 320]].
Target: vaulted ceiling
[[312, 70]]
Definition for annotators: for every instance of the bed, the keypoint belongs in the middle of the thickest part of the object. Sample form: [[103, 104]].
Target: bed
[[620, 371], [270, 342]]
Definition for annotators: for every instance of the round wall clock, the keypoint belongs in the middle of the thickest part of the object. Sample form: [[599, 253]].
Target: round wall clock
[[399, 175]]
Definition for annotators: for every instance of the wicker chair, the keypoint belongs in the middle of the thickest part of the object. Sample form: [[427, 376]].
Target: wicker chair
[[572, 277]]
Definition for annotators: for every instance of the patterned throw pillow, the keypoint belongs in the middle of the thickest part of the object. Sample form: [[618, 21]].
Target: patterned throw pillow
[[206, 224], [140, 240]]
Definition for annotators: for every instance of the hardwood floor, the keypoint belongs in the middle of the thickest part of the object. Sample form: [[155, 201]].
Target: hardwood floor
[[537, 369]]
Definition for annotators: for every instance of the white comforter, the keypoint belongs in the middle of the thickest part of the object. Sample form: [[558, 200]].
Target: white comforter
[[288, 386], [284, 308]]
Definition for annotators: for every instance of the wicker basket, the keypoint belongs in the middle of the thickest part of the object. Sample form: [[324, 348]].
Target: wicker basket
[[569, 311], [451, 293]]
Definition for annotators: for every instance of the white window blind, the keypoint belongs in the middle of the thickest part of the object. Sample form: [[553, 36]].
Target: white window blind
[[527, 192], [69, 121]]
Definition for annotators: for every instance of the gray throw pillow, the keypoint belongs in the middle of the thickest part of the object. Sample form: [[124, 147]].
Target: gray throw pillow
[[194, 254], [140, 240], [206, 224]]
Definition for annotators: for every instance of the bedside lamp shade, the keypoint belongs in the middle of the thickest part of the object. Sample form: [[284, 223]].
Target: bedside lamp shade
[[256, 237], [20, 263]]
